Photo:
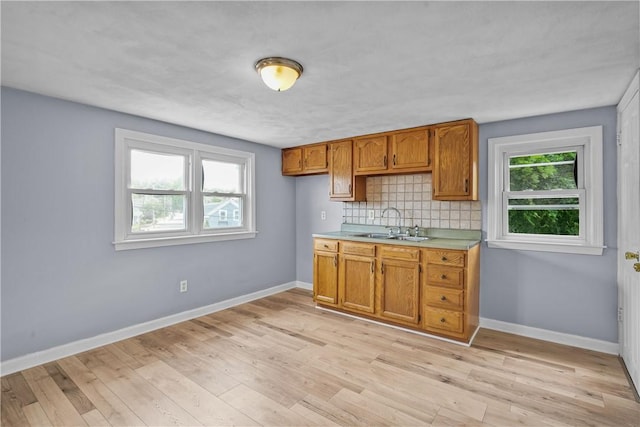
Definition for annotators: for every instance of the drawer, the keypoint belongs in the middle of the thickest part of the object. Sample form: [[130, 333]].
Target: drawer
[[449, 299], [441, 275], [364, 249], [325, 245], [444, 257], [444, 320], [399, 252]]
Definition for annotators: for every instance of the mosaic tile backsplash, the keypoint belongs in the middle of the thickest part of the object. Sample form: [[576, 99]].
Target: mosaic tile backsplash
[[411, 195]]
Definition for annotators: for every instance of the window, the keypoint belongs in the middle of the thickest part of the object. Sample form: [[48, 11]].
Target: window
[[171, 192], [545, 192]]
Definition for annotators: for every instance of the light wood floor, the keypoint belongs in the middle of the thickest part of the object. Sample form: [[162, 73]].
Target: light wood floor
[[279, 361]]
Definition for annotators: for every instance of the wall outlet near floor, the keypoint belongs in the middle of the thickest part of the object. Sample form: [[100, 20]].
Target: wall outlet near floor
[[183, 286], [371, 214], [323, 215]]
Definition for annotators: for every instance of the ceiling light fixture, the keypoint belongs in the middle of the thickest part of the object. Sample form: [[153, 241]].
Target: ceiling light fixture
[[279, 73]]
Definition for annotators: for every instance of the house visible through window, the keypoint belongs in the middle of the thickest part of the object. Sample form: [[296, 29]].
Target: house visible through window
[[171, 192], [545, 191]]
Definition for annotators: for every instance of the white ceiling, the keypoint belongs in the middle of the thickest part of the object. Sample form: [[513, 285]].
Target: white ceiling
[[368, 66]]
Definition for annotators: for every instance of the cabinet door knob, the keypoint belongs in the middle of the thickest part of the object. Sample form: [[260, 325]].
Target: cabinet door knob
[[443, 298], [443, 320]]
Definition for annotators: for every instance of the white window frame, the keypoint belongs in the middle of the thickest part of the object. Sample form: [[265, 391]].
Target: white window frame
[[587, 142], [126, 140]]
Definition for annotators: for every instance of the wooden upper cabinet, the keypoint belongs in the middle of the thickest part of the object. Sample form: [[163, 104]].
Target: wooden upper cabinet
[[315, 158], [343, 186], [410, 150], [292, 161], [370, 154], [455, 169], [393, 152], [305, 160]]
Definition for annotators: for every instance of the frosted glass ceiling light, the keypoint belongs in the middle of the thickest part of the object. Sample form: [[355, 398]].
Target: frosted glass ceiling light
[[279, 73]]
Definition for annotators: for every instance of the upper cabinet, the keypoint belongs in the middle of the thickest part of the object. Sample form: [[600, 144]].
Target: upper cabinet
[[455, 169], [449, 150], [393, 152], [305, 160], [292, 161], [343, 186]]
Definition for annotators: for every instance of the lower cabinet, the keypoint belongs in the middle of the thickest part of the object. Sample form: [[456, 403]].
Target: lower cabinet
[[357, 277], [325, 272], [428, 289], [400, 284]]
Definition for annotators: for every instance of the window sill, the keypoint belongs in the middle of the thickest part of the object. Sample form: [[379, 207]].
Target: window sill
[[546, 247], [181, 240]]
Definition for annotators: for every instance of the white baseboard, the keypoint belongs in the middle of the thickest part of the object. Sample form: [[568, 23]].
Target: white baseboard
[[304, 285], [34, 359], [552, 336], [66, 350]]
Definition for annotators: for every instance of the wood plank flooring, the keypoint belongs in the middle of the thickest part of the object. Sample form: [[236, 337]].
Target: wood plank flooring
[[281, 362]]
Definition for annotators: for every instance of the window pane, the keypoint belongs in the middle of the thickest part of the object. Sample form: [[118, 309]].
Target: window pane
[[155, 171], [153, 212], [222, 212], [542, 172], [554, 216], [221, 177]]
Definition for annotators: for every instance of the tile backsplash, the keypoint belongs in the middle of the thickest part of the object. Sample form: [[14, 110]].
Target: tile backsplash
[[411, 195]]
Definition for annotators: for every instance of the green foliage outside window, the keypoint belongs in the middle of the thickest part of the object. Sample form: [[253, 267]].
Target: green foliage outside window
[[551, 215]]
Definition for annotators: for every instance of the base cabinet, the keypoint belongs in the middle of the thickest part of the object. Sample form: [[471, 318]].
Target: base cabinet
[[427, 289], [325, 272]]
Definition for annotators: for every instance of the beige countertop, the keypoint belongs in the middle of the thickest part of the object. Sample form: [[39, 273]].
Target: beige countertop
[[437, 237]]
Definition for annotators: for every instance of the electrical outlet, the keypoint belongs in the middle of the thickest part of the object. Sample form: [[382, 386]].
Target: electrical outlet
[[183, 286], [372, 215], [323, 215]]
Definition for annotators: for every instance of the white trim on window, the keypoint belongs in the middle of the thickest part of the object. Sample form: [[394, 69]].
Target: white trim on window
[[588, 143], [194, 232]]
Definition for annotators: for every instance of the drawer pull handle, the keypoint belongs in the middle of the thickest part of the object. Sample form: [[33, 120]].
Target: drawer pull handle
[[443, 320], [326, 246], [443, 276], [444, 258], [443, 298]]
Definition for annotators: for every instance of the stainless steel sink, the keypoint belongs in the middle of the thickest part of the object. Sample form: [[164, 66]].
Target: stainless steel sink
[[375, 235], [411, 238], [390, 237]]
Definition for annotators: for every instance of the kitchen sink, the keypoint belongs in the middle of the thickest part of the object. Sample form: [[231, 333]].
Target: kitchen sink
[[411, 238], [391, 237], [375, 235]]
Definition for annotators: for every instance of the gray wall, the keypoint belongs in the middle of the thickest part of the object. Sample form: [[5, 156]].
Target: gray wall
[[574, 294], [62, 280], [312, 197]]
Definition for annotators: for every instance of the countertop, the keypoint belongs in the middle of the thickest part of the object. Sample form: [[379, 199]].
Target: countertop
[[437, 237]]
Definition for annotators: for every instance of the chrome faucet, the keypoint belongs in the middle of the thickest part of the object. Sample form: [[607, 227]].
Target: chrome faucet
[[399, 217]]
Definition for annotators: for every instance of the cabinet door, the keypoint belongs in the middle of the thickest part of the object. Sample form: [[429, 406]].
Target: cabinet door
[[325, 277], [410, 150], [291, 161], [370, 154], [315, 158], [400, 290], [456, 162], [357, 283], [340, 172]]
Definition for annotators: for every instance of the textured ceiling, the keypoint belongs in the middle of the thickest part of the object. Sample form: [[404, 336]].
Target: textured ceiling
[[368, 66]]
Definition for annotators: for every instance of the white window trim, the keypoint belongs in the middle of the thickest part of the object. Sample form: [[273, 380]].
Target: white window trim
[[591, 240], [124, 139]]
